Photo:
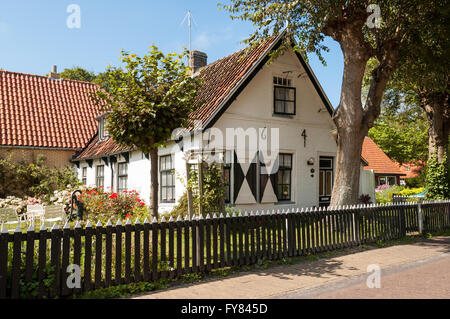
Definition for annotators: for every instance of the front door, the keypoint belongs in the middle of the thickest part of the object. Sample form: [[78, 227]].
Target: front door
[[325, 180]]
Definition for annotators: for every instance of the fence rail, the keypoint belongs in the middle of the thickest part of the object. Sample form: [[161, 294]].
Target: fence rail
[[34, 264]]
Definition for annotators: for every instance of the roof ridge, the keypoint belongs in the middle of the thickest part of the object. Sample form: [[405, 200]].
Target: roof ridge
[[237, 52], [47, 78]]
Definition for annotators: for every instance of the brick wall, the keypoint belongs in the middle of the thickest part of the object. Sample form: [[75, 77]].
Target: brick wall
[[54, 158]]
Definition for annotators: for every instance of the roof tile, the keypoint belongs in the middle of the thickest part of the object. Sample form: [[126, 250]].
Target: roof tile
[[41, 112], [377, 159]]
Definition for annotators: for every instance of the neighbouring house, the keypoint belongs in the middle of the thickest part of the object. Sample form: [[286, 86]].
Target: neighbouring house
[[241, 93], [45, 115], [385, 170], [411, 170]]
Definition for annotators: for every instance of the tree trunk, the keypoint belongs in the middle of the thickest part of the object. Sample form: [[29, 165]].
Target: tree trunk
[[349, 122], [154, 184], [351, 119], [436, 106], [346, 181]]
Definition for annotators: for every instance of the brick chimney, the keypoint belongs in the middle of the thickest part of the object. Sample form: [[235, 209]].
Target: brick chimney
[[197, 60], [54, 73]]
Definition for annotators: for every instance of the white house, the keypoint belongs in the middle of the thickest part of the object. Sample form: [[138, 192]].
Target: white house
[[243, 94]]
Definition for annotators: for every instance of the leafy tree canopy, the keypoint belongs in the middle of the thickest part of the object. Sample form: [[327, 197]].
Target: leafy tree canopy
[[81, 74], [149, 98], [401, 131], [78, 73]]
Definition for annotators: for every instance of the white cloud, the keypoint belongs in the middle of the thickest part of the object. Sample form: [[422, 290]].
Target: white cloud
[[206, 40]]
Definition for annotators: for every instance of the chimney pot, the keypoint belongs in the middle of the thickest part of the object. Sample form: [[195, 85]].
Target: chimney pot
[[54, 73], [197, 60]]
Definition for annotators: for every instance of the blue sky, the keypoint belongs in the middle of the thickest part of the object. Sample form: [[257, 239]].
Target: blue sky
[[34, 35]]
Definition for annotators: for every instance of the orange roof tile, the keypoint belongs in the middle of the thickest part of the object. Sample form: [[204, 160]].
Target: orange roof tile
[[97, 149], [222, 76], [377, 159], [218, 81], [36, 111], [411, 170]]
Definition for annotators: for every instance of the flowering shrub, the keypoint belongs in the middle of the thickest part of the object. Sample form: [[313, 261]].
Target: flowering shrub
[[101, 205], [20, 204], [381, 187]]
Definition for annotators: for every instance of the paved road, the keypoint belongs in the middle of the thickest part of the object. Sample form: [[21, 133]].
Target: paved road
[[425, 279], [407, 271]]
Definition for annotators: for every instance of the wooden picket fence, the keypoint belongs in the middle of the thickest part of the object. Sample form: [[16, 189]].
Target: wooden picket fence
[[34, 264]]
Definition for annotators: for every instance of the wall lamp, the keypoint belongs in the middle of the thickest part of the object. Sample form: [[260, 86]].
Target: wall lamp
[[311, 161]]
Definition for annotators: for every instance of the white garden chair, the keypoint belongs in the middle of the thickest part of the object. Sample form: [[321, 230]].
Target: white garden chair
[[34, 212], [8, 216], [53, 214]]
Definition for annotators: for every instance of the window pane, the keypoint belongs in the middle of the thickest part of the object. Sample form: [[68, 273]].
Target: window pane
[[321, 188], [287, 177], [392, 180], [280, 177], [290, 109], [279, 106], [329, 182]]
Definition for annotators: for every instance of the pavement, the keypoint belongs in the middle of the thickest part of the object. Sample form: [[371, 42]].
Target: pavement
[[418, 270]]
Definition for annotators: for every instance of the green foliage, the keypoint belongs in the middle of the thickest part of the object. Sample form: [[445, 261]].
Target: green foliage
[[410, 191], [213, 189], [30, 289], [33, 179], [78, 73], [384, 196], [401, 131], [213, 193], [101, 205], [437, 179], [124, 290], [416, 182], [148, 99]]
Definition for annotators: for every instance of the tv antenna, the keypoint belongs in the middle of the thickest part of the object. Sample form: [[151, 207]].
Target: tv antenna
[[190, 19]]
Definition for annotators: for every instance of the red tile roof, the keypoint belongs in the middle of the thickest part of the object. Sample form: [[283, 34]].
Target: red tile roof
[[97, 149], [411, 170], [377, 159], [40, 112], [219, 79]]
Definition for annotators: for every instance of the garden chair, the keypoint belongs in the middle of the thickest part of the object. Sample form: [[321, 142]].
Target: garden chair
[[34, 212], [8, 216], [54, 213]]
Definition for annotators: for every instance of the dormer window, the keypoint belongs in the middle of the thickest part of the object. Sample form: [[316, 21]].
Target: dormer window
[[284, 96], [102, 131]]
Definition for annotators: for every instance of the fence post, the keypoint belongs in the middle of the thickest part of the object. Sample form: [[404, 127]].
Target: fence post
[[420, 217], [402, 221], [3, 260]]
